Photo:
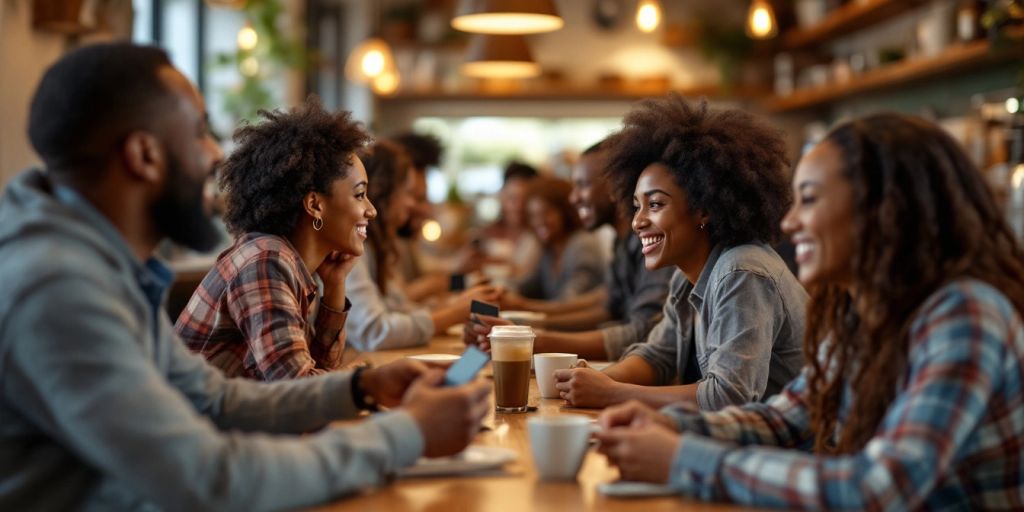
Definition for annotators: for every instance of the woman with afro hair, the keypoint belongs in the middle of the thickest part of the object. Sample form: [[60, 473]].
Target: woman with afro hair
[[708, 188], [911, 398], [274, 307]]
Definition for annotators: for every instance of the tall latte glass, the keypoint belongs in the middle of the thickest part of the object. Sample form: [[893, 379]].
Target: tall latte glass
[[511, 352]]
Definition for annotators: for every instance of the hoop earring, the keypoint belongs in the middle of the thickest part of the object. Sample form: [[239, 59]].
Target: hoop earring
[[318, 223]]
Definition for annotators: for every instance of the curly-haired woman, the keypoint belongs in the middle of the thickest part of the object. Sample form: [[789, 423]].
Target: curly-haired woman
[[571, 262], [915, 343], [297, 204], [709, 189], [383, 316]]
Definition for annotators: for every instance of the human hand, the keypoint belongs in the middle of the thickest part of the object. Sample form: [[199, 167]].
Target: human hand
[[388, 384], [475, 331], [586, 387], [512, 301], [449, 417], [642, 454], [481, 292], [333, 271], [632, 414]]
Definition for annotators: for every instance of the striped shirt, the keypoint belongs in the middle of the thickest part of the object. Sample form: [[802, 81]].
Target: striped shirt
[[257, 314], [951, 438]]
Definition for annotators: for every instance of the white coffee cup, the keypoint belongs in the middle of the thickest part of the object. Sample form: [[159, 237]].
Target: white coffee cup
[[544, 366], [559, 443]]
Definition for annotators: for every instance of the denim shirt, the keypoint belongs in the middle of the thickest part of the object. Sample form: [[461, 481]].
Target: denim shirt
[[743, 320]]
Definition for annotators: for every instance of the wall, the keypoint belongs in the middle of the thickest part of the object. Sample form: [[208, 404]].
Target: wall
[[24, 56]]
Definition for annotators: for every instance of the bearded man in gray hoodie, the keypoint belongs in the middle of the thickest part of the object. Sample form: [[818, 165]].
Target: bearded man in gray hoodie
[[101, 405]]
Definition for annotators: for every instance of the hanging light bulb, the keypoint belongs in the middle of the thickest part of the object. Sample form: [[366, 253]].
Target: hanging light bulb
[[371, 59], [761, 20], [386, 83], [247, 38], [249, 66], [648, 15]]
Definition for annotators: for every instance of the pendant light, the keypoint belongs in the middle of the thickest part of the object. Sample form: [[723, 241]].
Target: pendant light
[[507, 16], [499, 56], [761, 20], [648, 15], [370, 60]]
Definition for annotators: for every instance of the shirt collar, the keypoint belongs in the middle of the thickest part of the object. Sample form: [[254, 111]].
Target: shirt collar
[[701, 286], [153, 276]]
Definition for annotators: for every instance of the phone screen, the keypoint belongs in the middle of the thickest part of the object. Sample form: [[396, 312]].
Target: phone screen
[[483, 308], [456, 282], [463, 370]]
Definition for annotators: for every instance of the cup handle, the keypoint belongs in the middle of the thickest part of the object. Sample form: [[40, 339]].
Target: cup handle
[[581, 363]]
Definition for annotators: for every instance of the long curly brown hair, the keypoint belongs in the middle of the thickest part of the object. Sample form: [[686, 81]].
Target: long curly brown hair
[[387, 167], [924, 217]]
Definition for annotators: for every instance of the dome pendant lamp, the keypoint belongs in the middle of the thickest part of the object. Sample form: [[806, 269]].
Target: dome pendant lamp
[[507, 16]]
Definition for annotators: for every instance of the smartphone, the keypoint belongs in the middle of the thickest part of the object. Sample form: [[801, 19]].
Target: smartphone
[[462, 371], [456, 282], [483, 308]]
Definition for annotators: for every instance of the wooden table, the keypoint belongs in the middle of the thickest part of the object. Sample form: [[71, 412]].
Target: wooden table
[[517, 486]]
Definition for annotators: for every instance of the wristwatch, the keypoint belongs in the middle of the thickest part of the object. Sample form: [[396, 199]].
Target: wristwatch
[[360, 398]]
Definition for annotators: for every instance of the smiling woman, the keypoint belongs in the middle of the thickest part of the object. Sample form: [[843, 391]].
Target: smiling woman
[[297, 203], [708, 189]]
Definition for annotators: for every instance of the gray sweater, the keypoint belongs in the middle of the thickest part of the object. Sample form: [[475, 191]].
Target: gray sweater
[[103, 407]]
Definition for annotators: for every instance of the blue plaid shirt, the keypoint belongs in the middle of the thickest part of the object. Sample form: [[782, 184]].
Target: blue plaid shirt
[[951, 439]]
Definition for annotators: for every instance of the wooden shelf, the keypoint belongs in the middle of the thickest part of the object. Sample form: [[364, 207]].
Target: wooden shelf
[[956, 59], [565, 93], [849, 18]]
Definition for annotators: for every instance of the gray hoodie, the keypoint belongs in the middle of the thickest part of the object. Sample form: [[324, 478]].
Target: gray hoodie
[[102, 407]]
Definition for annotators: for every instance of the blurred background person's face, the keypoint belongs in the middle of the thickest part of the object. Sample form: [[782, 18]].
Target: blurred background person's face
[[402, 203], [590, 195], [546, 221], [513, 201]]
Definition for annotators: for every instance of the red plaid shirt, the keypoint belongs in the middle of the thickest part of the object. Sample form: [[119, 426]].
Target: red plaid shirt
[[257, 314]]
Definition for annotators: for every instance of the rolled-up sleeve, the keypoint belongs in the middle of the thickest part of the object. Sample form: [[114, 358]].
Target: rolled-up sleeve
[[660, 350]]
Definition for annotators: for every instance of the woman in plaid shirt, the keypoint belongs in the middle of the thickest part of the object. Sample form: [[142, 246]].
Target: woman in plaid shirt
[[914, 398], [274, 307]]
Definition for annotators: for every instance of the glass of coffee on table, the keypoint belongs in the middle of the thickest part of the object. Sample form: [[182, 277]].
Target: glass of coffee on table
[[511, 353]]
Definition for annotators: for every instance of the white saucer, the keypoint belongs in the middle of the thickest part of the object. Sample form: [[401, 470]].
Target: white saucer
[[523, 317], [435, 358], [473, 458]]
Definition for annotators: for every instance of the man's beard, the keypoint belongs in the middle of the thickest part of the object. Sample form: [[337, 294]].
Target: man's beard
[[179, 212]]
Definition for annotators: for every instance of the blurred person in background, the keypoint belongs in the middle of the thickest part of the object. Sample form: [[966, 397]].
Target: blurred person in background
[[426, 279], [510, 241], [571, 262], [296, 201], [382, 316]]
